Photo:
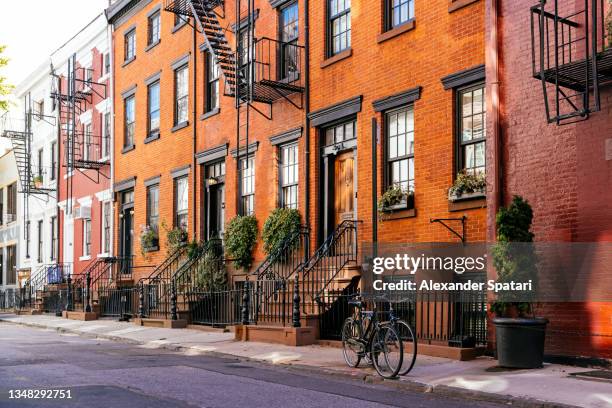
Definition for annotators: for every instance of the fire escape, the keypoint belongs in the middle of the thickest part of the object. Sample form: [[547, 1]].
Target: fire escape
[[571, 48], [257, 71], [86, 151]]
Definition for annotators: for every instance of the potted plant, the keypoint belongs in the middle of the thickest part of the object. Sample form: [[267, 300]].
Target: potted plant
[[395, 198], [467, 185], [519, 334], [175, 237], [240, 238], [280, 226], [149, 240], [38, 181]]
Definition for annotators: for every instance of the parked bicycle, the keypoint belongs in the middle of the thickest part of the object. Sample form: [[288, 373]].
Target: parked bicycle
[[364, 336], [409, 340]]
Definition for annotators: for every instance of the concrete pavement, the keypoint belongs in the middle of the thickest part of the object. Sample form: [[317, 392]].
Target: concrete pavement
[[479, 379]]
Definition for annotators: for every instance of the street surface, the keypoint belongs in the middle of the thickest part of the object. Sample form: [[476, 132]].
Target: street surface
[[101, 373]]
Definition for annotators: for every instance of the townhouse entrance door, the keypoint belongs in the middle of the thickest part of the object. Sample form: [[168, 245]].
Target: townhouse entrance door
[[216, 211], [127, 233], [344, 187]]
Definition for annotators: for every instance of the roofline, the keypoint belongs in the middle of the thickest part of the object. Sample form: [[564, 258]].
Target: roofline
[[117, 9]]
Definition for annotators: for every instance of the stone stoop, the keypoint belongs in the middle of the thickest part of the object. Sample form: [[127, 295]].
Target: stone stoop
[[83, 316], [161, 323], [289, 336]]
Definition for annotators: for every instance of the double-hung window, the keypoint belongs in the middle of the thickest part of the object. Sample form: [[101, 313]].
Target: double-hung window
[[212, 83], [40, 241], [472, 131], [247, 185], [289, 175], [181, 95], [129, 121], [53, 238], [129, 45], [106, 226], [400, 148], [86, 237], [153, 30], [289, 63], [398, 12], [106, 134], [28, 231], [339, 25], [87, 145], [11, 265], [11, 208], [181, 203], [153, 207], [153, 107], [53, 160]]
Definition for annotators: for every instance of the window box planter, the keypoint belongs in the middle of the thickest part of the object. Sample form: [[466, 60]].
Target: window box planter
[[461, 196]]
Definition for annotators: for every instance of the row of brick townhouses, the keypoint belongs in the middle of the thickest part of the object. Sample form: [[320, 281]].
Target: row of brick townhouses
[[190, 112]]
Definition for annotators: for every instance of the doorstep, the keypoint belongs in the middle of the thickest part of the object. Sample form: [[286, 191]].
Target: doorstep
[[83, 316], [161, 323], [289, 336]]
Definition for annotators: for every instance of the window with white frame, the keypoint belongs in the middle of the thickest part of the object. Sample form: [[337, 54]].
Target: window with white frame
[[289, 175], [53, 226], [472, 129], [106, 134], [130, 45], [181, 93], [400, 148], [106, 226], [212, 83], [247, 185], [339, 21], [86, 237], [181, 203], [129, 121], [154, 24]]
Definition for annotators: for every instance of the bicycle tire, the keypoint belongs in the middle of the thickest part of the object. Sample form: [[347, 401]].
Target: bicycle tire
[[351, 332], [386, 340], [409, 343]]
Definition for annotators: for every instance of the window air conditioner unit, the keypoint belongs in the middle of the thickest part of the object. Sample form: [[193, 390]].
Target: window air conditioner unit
[[82, 212]]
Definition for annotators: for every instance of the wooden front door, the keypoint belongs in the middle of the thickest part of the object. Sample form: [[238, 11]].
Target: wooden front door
[[344, 187]]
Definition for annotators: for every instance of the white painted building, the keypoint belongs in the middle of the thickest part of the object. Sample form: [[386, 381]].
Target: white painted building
[[10, 222]]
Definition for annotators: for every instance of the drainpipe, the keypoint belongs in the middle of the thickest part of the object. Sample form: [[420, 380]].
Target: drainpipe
[[374, 186], [111, 46], [59, 253], [195, 133], [495, 197], [306, 112]]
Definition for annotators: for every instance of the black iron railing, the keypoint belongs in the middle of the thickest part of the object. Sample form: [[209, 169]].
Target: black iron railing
[[9, 299], [118, 302], [287, 259], [87, 150], [218, 308]]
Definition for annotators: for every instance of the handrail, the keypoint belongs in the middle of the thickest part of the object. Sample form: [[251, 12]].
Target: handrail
[[281, 253], [181, 250]]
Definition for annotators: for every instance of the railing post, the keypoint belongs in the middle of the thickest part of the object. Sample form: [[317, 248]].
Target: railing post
[[141, 300], [69, 295], [87, 292], [296, 301], [173, 314], [245, 303]]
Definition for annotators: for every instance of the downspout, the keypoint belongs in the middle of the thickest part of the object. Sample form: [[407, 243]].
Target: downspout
[[492, 63], [374, 186], [112, 136], [195, 134], [59, 221], [306, 112]]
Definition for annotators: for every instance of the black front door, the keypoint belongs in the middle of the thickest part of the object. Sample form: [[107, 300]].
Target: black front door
[[127, 233], [216, 211]]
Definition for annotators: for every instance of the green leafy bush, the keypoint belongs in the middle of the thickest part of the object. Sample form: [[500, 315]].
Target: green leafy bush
[[468, 183], [148, 239], [279, 227], [240, 239], [175, 238], [514, 256], [210, 274], [395, 195]]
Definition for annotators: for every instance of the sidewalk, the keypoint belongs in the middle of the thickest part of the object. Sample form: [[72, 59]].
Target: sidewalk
[[477, 379]]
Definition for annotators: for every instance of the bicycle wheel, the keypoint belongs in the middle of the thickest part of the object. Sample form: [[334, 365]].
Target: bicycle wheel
[[387, 351], [352, 347], [409, 342]]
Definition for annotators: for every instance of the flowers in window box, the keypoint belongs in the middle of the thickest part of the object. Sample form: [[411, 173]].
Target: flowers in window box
[[38, 181], [467, 185], [395, 198], [149, 239], [175, 237]]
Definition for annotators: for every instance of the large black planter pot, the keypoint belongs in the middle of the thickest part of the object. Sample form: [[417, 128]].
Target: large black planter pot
[[520, 342]]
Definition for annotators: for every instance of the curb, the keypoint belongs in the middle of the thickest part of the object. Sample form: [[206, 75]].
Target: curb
[[400, 385]]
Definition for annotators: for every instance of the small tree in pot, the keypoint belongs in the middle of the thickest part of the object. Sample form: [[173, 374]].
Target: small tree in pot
[[240, 239], [520, 338], [281, 225]]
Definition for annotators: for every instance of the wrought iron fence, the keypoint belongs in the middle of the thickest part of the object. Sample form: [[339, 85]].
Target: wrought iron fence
[[221, 308], [118, 302], [9, 300]]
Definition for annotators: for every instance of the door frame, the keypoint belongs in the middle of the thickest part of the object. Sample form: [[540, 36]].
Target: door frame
[[220, 183]]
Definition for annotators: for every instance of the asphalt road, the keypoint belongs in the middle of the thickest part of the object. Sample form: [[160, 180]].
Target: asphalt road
[[109, 374]]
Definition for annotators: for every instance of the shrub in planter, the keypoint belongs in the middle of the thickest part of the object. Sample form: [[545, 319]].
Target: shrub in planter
[[395, 196], [38, 181], [281, 225], [210, 272], [240, 238], [175, 238], [520, 338], [467, 183], [148, 239]]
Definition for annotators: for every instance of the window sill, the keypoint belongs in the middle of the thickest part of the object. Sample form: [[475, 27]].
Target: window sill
[[151, 138], [455, 5], [152, 45], [128, 149], [104, 159], [180, 25], [150, 249], [85, 258], [180, 126], [398, 214], [467, 203], [338, 57], [394, 32], [126, 62], [209, 114], [103, 255]]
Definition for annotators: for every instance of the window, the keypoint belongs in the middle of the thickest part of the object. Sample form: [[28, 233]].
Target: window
[[400, 148], [87, 147], [11, 207], [27, 239], [11, 265], [472, 131], [130, 45], [247, 185], [153, 207], [289, 37], [398, 12], [153, 113], [212, 83], [178, 20], [86, 237], [289, 175], [88, 76], [39, 107], [181, 202], [1, 206], [39, 171], [106, 134], [129, 121], [53, 238], [53, 160], [154, 28], [181, 94], [40, 241], [106, 226], [339, 25], [245, 52], [340, 133], [107, 63]]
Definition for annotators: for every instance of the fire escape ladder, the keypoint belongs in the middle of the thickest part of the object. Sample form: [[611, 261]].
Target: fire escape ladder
[[571, 56]]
